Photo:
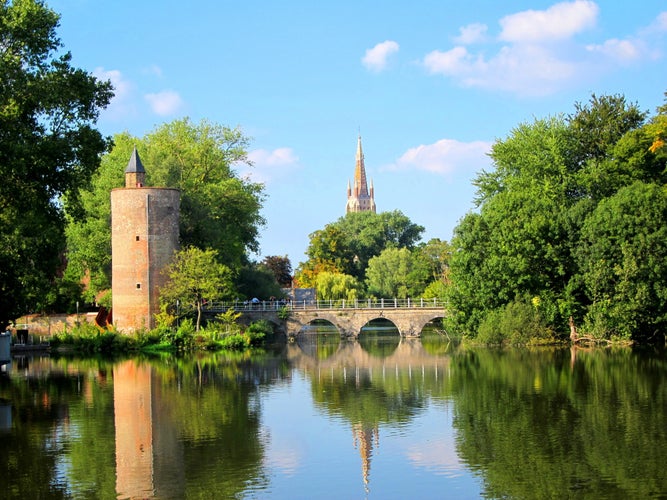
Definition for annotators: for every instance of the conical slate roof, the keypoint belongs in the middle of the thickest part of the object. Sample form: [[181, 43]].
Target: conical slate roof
[[135, 166]]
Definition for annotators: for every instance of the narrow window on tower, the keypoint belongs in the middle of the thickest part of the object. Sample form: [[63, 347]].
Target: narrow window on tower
[[137, 237], [138, 286]]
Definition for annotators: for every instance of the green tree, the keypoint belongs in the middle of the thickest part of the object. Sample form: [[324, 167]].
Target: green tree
[[516, 244], [598, 125], [196, 276], [281, 267], [219, 210], [257, 280], [436, 256], [623, 257], [347, 245], [396, 273], [549, 176], [336, 286], [48, 148]]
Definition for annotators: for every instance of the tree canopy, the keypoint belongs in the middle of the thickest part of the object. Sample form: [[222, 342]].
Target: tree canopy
[[196, 276], [396, 272], [347, 245], [556, 228], [49, 148], [219, 210]]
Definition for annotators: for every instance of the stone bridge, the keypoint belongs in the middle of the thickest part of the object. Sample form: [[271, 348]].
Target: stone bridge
[[408, 316]]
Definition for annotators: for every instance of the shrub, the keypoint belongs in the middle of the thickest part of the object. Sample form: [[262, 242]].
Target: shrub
[[182, 338], [235, 341], [284, 313], [516, 323], [257, 331]]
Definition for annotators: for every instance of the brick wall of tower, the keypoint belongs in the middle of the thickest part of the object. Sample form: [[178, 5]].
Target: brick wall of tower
[[144, 236]]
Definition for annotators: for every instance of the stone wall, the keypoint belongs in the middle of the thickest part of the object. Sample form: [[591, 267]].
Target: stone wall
[[42, 326]]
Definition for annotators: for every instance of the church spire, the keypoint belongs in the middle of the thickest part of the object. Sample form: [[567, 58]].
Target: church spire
[[360, 172], [359, 199]]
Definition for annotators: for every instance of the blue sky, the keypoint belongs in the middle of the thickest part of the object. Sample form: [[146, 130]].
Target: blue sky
[[429, 85]]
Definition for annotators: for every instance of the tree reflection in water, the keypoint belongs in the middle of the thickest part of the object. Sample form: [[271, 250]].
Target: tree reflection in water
[[510, 423]]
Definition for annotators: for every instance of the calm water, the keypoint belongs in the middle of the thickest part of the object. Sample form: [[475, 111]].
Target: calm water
[[319, 418]]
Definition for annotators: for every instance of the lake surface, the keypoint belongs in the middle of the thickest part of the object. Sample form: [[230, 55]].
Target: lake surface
[[379, 418]]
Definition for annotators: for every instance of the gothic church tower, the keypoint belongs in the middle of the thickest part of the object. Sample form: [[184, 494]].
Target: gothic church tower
[[360, 198], [144, 237]]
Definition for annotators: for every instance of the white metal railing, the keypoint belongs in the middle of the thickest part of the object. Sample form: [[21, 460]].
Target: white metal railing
[[302, 305]]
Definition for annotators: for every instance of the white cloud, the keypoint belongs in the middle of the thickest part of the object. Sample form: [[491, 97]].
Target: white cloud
[[622, 51], [445, 157], [439, 455], [456, 61], [276, 158], [530, 62], [376, 58], [524, 69], [121, 105], [472, 33], [661, 22], [560, 21], [165, 103], [270, 165], [536, 52]]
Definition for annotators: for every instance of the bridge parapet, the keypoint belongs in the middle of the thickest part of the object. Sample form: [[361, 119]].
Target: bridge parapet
[[300, 305]]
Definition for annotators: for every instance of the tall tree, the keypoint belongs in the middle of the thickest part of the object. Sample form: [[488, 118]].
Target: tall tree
[[48, 149], [281, 267], [336, 286], [396, 273], [549, 177], [347, 245], [219, 209], [623, 257]]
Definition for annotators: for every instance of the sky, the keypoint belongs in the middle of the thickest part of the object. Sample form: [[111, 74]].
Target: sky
[[429, 85]]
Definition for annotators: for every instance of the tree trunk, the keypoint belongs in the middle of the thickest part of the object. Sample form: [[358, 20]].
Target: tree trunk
[[574, 336]]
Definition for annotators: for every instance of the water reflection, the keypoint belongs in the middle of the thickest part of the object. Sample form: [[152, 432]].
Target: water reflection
[[149, 455], [582, 423], [379, 338], [319, 340], [415, 420], [382, 380]]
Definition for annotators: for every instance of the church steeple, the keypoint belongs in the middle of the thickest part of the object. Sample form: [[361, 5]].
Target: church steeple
[[359, 199]]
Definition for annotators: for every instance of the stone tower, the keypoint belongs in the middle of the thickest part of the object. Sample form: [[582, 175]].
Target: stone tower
[[360, 198], [144, 237]]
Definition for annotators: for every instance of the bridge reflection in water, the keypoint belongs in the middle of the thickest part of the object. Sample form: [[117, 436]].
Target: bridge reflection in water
[[380, 379]]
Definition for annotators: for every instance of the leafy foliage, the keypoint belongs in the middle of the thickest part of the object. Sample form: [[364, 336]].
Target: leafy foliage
[[48, 149], [195, 276], [219, 210], [256, 280], [347, 245], [623, 258], [571, 216], [396, 273], [336, 286], [281, 267]]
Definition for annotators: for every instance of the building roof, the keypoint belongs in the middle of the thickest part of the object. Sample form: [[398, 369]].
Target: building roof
[[135, 166]]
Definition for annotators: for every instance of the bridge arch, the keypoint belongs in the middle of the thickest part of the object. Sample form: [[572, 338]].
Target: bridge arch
[[409, 316], [350, 322]]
